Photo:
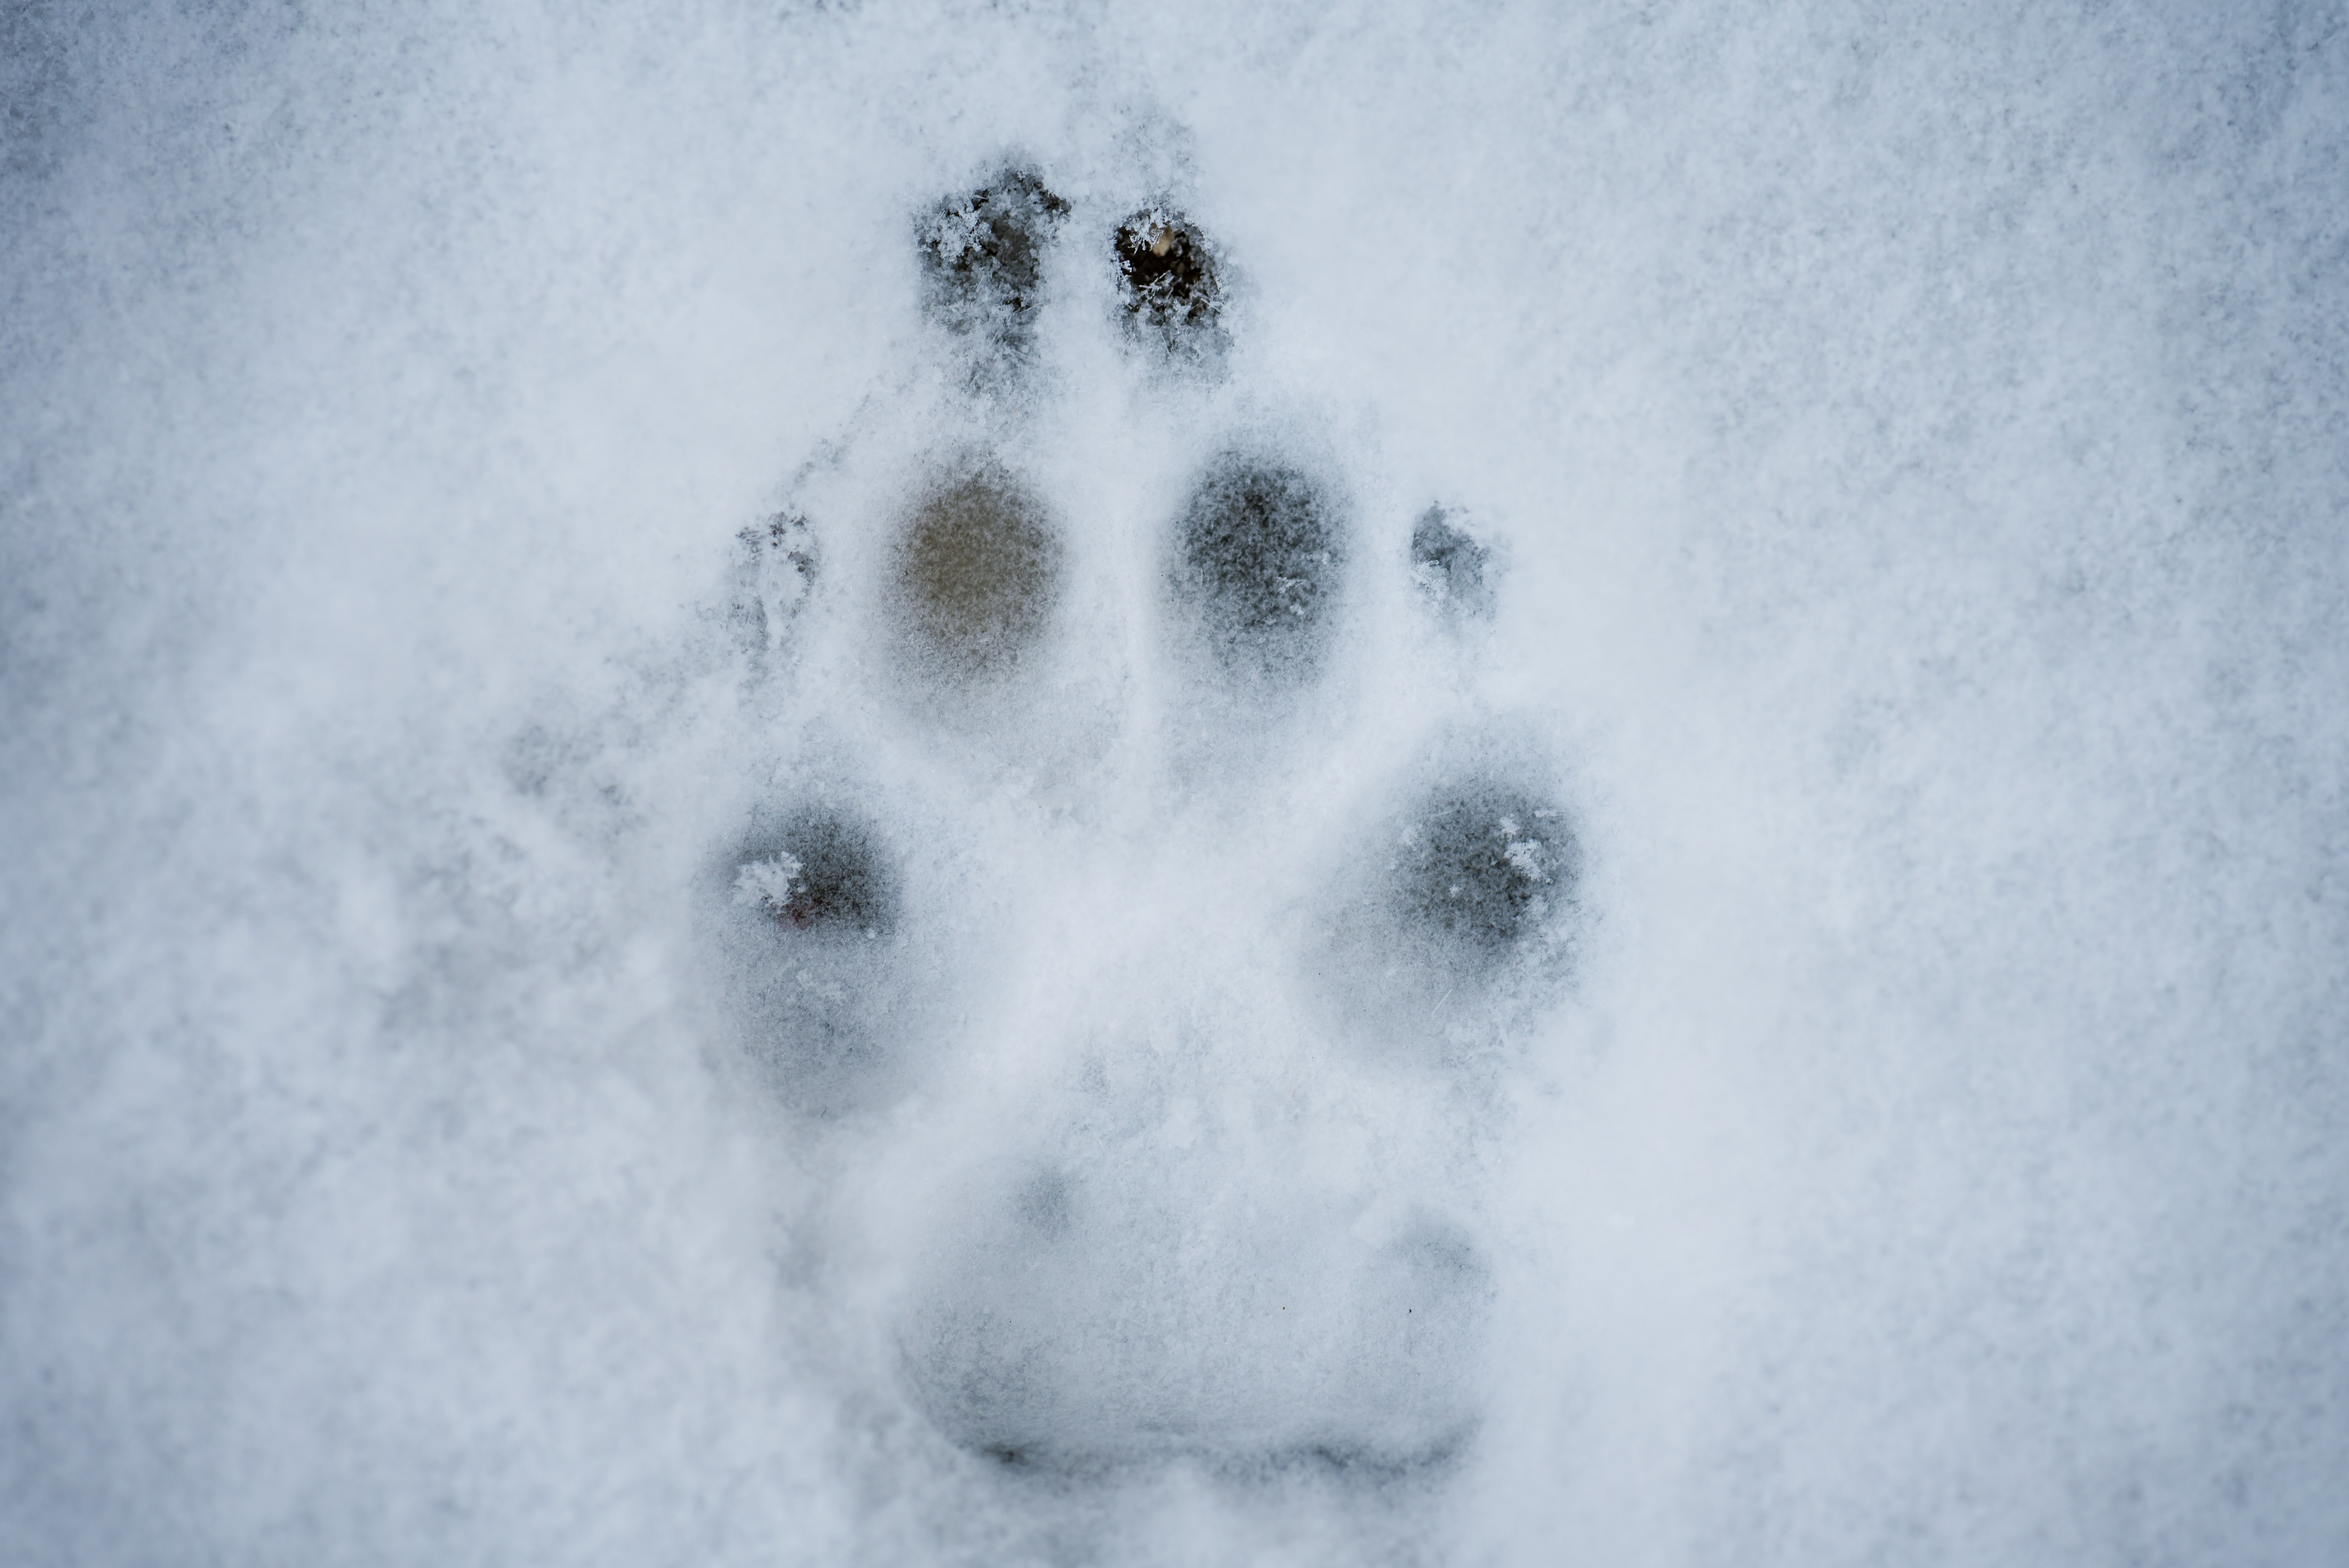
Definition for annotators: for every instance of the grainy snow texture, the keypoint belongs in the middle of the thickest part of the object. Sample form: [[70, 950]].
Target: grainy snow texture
[[1499, 784]]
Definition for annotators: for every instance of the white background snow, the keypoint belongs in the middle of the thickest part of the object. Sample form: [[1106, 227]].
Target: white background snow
[[1919, 436]]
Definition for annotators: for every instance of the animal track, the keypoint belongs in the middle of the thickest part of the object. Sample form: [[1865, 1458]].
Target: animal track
[[1238, 1025]]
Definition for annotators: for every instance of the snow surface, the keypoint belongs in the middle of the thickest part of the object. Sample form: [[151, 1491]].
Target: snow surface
[[1911, 446]]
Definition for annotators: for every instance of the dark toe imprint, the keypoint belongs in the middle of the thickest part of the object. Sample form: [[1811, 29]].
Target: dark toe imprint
[[1259, 554], [983, 256], [1171, 281], [978, 570]]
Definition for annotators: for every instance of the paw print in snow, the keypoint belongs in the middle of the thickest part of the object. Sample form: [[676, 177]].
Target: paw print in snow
[[1136, 894]]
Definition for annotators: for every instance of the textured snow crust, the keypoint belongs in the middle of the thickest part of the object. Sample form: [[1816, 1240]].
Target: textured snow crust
[[578, 985]]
